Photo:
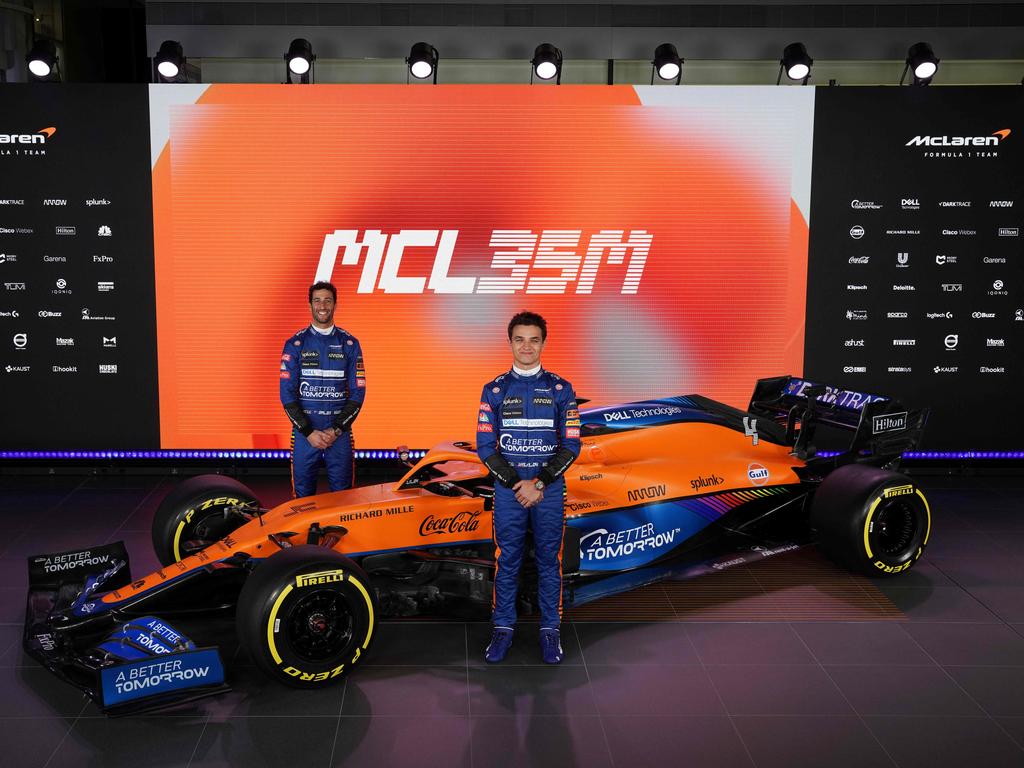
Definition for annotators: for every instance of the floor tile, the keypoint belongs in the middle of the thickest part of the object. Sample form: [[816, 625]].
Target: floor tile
[[803, 742], [539, 740], [253, 694], [1005, 602], [386, 691], [999, 690], [649, 690], [748, 643], [778, 690], [670, 742], [266, 741], [978, 644], [927, 742], [997, 569], [937, 604], [1014, 726], [156, 741], [394, 742], [903, 691], [877, 643], [37, 692], [400, 643], [538, 690], [32, 739], [635, 643]]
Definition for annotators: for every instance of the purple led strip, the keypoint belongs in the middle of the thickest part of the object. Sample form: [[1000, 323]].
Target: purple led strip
[[246, 454]]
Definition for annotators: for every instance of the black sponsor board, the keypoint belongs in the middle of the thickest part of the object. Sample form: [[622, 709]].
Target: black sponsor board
[[916, 268], [77, 316]]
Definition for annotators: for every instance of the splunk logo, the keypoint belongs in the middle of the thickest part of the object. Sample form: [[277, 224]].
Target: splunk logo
[[39, 137], [959, 141], [577, 255]]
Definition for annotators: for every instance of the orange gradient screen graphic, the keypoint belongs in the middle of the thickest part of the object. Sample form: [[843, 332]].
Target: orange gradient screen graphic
[[665, 253]]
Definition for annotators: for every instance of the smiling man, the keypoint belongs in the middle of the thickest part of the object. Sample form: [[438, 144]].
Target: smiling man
[[323, 385], [528, 434]]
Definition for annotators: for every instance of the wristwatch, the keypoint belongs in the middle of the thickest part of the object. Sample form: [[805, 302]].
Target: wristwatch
[[539, 485]]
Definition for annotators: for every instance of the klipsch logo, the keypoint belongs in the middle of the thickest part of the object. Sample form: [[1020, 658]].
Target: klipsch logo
[[959, 141]]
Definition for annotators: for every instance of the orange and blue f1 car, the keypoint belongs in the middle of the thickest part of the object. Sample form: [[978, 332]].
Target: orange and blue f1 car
[[667, 488]]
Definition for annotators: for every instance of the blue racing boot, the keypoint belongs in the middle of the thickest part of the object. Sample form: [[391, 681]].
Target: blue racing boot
[[497, 649], [551, 645]]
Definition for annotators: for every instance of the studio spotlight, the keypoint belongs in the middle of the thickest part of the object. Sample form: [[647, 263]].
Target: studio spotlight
[[42, 61], [547, 63], [922, 63], [300, 59], [422, 61], [667, 63], [169, 62], [796, 63]]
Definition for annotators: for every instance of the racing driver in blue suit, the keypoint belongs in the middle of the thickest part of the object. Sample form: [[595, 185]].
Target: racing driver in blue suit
[[323, 384], [528, 434]]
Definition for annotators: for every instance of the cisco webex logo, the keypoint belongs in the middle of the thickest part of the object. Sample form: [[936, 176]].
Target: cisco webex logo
[[959, 141], [39, 137]]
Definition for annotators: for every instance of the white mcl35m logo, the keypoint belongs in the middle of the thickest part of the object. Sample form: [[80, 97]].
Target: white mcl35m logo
[[517, 256]]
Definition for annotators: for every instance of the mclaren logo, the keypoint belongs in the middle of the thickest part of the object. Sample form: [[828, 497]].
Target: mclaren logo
[[39, 137], [320, 577], [959, 141]]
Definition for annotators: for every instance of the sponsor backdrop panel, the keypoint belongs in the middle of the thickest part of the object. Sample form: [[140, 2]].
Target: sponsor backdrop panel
[[77, 350], [662, 232], [915, 269]]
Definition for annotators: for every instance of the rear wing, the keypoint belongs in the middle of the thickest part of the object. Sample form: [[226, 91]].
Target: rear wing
[[882, 426]]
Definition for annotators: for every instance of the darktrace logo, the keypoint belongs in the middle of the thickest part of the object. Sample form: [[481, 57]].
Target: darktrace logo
[[24, 144]]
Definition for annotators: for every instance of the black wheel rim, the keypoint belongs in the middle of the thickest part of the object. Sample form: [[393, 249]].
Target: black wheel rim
[[320, 626], [206, 531], [895, 528]]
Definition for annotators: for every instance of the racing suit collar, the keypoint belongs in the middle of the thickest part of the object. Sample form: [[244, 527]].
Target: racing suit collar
[[322, 331], [519, 373]]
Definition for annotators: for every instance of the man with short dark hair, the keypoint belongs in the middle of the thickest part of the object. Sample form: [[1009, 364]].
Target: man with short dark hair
[[323, 385], [528, 433]]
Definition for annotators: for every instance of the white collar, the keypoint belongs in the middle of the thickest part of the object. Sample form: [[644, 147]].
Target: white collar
[[322, 331], [521, 372]]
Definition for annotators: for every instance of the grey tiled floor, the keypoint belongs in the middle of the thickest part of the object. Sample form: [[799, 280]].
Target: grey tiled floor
[[942, 684]]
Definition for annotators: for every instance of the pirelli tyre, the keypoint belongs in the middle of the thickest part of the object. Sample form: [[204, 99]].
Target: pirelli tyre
[[197, 513], [871, 520], [307, 615]]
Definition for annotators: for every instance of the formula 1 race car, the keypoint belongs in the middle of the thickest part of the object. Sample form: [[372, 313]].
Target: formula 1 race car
[[669, 488]]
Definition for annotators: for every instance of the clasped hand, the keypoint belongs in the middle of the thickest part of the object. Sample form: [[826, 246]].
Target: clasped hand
[[527, 493], [322, 439]]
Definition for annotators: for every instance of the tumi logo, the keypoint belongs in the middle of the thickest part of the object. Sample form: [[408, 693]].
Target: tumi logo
[[959, 141], [39, 137], [953, 287]]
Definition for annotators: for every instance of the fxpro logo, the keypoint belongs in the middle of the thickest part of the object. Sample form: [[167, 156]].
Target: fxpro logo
[[562, 256], [39, 137], [959, 141]]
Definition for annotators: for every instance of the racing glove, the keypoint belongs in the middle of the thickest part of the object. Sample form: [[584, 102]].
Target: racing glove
[[555, 467], [299, 418], [347, 415]]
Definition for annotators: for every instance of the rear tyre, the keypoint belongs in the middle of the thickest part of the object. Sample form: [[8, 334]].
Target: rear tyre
[[192, 516], [870, 520], [307, 615]]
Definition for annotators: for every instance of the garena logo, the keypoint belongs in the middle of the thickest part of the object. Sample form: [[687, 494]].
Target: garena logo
[[959, 141], [39, 137]]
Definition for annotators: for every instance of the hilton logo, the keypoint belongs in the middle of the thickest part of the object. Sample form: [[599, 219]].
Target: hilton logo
[[890, 422]]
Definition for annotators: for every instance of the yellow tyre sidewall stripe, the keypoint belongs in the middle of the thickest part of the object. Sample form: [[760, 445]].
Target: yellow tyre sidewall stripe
[[867, 526], [177, 541], [874, 506]]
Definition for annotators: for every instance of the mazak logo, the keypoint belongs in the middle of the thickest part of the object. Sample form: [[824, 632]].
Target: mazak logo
[[952, 341], [942, 259], [63, 341], [896, 315], [889, 422], [860, 259], [1009, 231], [514, 251], [864, 205], [856, 314], [854, 343], [953, 287], [959, 141], [995, 342], [910, 203], [857, 232]]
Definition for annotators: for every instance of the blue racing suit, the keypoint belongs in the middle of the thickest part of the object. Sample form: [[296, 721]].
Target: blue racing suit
[[528, 428], [323, 384]]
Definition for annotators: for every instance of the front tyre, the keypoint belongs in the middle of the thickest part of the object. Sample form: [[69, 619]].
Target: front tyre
[[197, 513], [307, 616], [870, 520]]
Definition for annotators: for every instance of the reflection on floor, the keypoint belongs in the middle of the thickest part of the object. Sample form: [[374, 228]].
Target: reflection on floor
[[788, 662]]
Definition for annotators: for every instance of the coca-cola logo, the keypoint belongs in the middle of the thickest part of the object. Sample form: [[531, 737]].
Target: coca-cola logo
[[463, 522]]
